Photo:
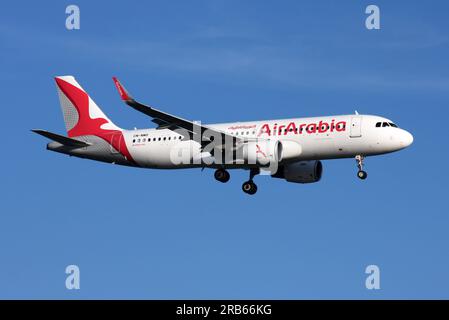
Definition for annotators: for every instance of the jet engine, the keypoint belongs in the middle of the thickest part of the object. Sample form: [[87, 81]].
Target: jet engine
[[301, 171], [291, 150], [262, 152]]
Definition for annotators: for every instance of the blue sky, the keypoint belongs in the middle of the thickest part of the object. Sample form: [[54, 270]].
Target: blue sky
[[180, 234]]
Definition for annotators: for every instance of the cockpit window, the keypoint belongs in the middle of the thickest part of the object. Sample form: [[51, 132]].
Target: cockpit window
[[386, 124]]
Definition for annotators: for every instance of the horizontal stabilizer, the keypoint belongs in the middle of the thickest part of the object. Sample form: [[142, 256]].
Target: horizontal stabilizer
[[62, 139]]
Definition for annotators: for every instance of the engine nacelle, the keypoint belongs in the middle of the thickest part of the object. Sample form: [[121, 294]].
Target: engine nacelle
[[262, 152], [290, 150], [301, 171]]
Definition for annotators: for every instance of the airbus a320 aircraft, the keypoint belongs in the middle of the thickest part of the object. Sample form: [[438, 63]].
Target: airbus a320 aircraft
[[289, 149]]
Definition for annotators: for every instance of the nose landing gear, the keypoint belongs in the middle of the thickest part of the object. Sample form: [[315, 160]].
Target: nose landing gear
[[361, 174]]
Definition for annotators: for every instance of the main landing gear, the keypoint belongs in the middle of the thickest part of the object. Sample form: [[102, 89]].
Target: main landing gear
[[222, 175], [361, 174], [249, 186]]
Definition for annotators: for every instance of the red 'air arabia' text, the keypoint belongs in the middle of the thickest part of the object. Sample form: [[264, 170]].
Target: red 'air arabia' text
[[292, 128]]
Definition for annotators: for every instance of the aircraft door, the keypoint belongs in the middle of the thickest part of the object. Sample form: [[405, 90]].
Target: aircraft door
[[356, 127]]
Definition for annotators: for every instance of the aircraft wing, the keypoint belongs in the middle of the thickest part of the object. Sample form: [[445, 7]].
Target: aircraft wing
[[168, 121]]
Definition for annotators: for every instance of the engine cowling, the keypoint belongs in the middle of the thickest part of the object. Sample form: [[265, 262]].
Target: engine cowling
[[290, 150], [301, 171], [262, 152]]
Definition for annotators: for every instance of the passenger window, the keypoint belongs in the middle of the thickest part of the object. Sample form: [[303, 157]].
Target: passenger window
[[134, 140], [159, 138]]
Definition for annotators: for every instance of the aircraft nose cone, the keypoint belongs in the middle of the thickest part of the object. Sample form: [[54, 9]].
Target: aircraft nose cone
[[406, 139]]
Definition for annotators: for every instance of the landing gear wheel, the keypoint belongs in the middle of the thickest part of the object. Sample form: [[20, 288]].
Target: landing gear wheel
[[222, 175], [362, 174], [249, 187]]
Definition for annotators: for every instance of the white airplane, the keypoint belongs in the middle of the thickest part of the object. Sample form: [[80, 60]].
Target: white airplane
[[289, 149]]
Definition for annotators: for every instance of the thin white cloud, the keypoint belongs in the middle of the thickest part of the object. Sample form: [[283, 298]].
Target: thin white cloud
[[285, 62]]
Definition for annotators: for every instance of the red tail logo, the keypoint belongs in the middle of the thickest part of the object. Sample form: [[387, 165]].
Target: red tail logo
[[92, 126], [86, 125]]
